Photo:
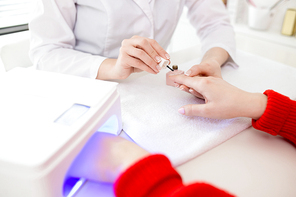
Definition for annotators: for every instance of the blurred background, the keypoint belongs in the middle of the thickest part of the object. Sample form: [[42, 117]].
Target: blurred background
[[269, 43], [263, 27]]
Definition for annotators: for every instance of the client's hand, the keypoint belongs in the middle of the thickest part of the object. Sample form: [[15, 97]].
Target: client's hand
[[206, 68], [222, 100], [209, 66], [105, 157]]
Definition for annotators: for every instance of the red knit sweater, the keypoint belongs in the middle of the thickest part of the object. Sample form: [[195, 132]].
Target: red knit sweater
[[154, 176], [279, 117]]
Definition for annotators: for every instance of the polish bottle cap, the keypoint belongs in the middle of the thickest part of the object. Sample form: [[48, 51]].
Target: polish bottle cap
[[163, 63]]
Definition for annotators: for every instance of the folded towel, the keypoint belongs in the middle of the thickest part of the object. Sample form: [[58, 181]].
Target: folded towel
[[150, 108]]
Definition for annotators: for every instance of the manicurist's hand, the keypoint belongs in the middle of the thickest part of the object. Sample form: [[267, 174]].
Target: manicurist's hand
[[136, 54], [222, 100]]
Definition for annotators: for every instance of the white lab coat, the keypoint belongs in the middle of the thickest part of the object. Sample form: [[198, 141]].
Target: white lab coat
[[76, 36]]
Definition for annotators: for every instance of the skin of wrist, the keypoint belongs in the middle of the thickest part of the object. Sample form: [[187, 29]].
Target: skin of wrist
[[211, 61], [105, 71], [258, 105], [217, 55], [130, 153]]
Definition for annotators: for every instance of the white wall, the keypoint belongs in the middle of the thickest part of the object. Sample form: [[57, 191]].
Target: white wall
[[239, 11]]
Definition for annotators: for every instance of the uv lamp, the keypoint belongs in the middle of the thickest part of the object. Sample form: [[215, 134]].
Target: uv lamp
[[46, 121]]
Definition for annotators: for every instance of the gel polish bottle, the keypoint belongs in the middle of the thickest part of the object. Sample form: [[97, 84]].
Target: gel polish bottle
[[169, 82]]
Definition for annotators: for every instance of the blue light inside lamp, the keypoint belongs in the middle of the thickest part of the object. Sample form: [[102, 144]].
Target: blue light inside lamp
[[73, 184]]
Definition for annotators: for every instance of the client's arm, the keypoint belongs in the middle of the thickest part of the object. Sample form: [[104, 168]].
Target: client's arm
[[279, 117], [136, 173], [154, 176], [271, 112]]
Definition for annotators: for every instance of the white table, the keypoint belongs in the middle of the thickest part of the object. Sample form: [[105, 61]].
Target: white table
[[252, 163]]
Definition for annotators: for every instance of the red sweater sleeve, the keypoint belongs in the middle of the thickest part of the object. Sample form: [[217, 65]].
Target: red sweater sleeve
[[279, 117], [154, 176]]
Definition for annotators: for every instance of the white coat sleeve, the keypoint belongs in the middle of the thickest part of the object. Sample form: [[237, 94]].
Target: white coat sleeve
[[212, 22], [53, 41]]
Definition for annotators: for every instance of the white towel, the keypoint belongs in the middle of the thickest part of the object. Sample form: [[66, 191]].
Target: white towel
[[150, 108]]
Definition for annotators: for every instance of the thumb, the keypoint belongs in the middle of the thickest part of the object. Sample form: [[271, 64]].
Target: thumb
[[193, 110], [193, 71]]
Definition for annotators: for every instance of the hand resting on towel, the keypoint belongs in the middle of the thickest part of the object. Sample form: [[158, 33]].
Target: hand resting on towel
[[222, 100]]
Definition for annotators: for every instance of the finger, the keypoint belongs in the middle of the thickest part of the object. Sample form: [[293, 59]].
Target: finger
[[197, 70], [177, 85], [143, 56], [204, 69], [159, 49], [184, 88], [193, 110], [190, 91], [144, 44], [191, 82], [138, 64], [195, 93], [137, 70]]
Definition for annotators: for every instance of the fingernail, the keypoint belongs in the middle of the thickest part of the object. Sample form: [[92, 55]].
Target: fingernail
[[181, 111], [177, 85], [190, 90], [158, 59], [188, 72], [158, 67], [167, 56]]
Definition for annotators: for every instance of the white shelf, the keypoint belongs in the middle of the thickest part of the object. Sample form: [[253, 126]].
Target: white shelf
[[269, 35], [13, 38]]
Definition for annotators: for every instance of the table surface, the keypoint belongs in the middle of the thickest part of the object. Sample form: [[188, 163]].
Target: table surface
[[252, 163]]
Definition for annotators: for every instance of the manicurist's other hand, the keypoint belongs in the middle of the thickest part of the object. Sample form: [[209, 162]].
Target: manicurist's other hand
[[136, 54], [222, 100], [209, 67]]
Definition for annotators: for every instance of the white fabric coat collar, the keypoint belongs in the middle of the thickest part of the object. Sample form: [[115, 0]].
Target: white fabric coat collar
[[145, 6]]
